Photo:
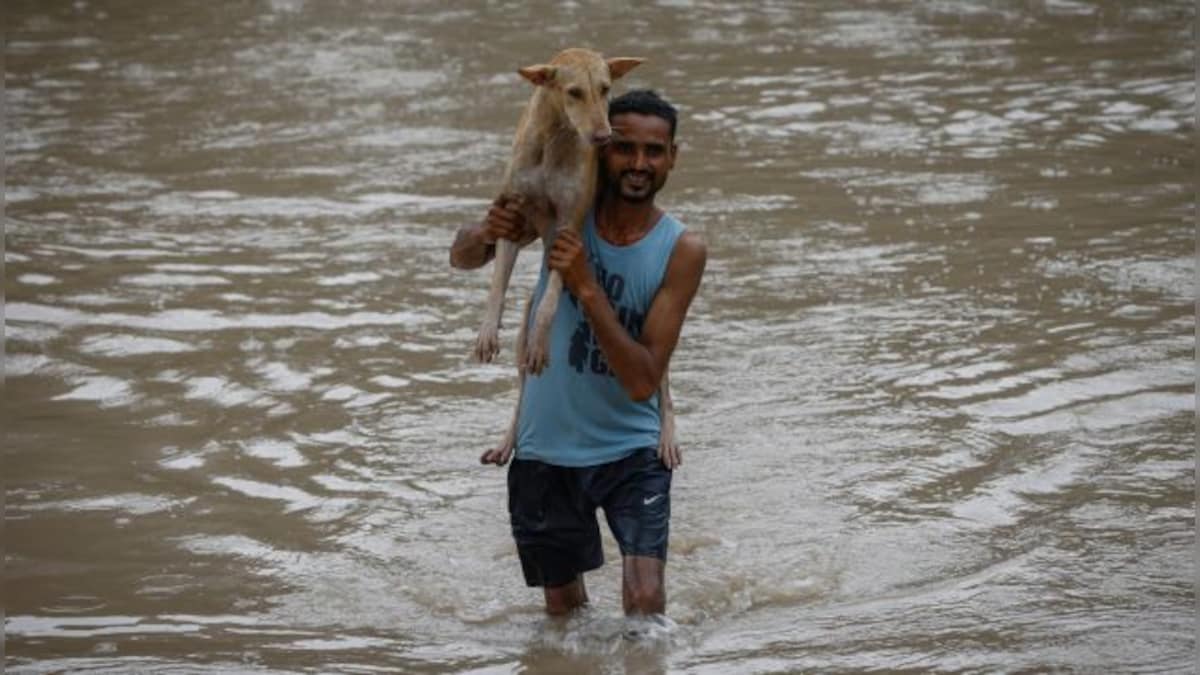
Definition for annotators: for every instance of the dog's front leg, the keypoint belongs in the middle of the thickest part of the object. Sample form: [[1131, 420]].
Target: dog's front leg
[[488, 342], [538, 347], [572, 204], [668, 447]]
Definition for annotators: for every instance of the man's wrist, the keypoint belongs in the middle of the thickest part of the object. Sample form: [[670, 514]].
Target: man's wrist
[[587, 291]]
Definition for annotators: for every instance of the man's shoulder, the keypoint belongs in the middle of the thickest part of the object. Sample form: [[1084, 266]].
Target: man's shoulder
[[690, 250]]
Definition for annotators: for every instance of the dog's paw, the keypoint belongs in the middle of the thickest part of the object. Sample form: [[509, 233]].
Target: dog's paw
[[669, 453], [487, 345], [498, 455], [536, 359]]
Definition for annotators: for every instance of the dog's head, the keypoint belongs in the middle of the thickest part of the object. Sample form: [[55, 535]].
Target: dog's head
[[578, 81]]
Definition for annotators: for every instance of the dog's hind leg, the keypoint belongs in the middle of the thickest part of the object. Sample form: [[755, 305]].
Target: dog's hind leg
[[488, 342], [500, 454], [668, 447]]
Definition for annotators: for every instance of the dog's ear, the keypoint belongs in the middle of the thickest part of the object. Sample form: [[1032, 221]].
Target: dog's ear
[[620, 65], [539, 74]]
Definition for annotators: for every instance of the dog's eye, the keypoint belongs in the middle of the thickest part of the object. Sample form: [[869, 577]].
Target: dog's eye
[[575, 92], [604, 90]]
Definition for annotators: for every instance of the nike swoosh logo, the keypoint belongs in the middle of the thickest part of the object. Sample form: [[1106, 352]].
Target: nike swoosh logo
[[650, 500]]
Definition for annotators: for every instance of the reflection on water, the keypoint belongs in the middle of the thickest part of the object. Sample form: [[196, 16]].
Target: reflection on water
[[936, 394]]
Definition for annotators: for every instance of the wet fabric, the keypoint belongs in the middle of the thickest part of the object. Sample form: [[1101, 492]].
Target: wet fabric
[[553, 513], [576, 413]]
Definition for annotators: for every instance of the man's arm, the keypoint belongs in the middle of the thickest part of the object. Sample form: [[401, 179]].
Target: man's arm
[[475, 245], [639, 364]]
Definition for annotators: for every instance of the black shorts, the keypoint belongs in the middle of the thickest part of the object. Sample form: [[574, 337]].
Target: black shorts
[[553, 513]]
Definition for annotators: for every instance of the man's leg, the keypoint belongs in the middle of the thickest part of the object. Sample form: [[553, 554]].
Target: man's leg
[[562, 600], [637, 504], [554, 526], [642, 588]]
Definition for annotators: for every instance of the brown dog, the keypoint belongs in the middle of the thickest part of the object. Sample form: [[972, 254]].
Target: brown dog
[[551, 177]]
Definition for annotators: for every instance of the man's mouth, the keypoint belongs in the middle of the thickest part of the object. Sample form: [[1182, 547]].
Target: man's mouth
[[636, 179]]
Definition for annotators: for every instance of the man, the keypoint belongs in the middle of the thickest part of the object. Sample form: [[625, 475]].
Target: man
[[588, 425]]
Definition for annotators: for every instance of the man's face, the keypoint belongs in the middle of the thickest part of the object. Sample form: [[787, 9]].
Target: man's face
[[640, 155]]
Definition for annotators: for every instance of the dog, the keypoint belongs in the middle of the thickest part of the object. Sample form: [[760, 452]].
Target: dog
[[551, 177]]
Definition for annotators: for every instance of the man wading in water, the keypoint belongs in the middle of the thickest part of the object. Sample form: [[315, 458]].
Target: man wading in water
[[587, 434]]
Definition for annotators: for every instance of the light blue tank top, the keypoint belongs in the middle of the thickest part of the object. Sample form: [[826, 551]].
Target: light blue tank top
[[576, 413]]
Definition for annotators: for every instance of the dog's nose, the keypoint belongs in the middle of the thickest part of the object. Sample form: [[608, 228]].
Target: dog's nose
[[600, 138]]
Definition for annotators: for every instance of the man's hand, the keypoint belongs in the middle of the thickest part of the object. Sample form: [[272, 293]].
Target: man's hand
[[504, 220], [474, 245], [569, 258]]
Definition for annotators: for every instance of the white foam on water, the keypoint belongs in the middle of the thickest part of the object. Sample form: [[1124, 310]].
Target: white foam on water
[[341, 393], [339, 484], [185, 204], [105, 390], [1110, 414], [294, 498], [132, 345], [1076, 390], [134, 504], [390, 381], [366, 400], [182, 462], [349, 279], [790, 110], [1123, 109], [344, 342], [404, 136], [159, 280], [33, 279], [93, 300], [224, 393], [341, 642], [18, 194], [17, 365], [953, 193], [978, 125], [281, 377], [90, 626], [990, 387], [1155, 123], [227, 269], [133, 253], [280, 453], [198, 320], [300, 255]]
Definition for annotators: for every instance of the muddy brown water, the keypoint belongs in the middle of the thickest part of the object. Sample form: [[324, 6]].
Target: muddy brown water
[[936, 395]]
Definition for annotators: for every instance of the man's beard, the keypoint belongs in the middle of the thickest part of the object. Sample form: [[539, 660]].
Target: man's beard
[[637, 186]]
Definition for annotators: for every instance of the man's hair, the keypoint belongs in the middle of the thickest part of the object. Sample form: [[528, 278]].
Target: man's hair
[[643, 102]]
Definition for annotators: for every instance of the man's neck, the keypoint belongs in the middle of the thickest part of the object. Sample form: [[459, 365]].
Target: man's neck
[[623, 222]]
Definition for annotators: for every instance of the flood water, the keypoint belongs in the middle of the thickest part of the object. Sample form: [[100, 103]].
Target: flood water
[[936, 395]]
